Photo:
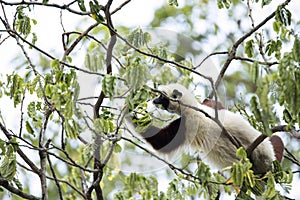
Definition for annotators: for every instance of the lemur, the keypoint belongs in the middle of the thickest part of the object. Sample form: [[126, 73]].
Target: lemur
[[201, 133]]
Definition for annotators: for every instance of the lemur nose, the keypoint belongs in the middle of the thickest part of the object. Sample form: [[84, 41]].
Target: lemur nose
[[162, 100]]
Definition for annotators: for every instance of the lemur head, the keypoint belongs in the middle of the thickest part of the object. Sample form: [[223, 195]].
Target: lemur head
[[171, 97]]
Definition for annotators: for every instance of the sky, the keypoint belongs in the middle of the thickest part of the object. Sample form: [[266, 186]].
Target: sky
[[132, 15]]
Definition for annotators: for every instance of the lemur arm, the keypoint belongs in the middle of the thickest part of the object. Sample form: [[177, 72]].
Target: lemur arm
[[165, 139]]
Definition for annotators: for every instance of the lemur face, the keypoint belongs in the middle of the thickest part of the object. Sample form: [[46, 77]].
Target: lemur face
[[169, 100]]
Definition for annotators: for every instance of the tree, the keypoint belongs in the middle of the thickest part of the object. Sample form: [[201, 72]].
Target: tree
[[50, 109]]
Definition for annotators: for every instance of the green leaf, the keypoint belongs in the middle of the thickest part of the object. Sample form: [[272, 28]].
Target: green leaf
[[2, 147], [296, 50], [108, 85], [17, 88], [270, 192], [55, 64], [95, 9], [203, 173], [8, 167], [249, 48], [255, 108], [69, 58], [48, 90], [137, 38], [31, 111], [18, 183], [276, 26], [33, 84], [22, 22], [136, 184], [34, 21], [71, 128], [136, 99], [223, 4], [173, 2], [104, 125], [249, 178], [254, 72], [29, 129], [237, 174], [241, 153], [117, 148], [283, 15], [288, 81], [94, 60], [69, 109], [274, 47], [137, 75], [265, 2], [81, 5]]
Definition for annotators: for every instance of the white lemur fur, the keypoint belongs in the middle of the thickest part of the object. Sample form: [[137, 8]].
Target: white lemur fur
[[202, 134]]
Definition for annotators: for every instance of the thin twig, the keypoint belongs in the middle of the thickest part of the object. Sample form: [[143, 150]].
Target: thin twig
[[43, 155], [55, 178], [208, 56], [78, 39], [22, 114], [291, 157], [120, 7], [259, 62]]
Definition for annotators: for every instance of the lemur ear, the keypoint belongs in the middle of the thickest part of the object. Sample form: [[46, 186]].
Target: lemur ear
[[176, 94]]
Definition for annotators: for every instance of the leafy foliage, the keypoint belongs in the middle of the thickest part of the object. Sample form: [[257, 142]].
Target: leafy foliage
[[44, 118], [138, 186]]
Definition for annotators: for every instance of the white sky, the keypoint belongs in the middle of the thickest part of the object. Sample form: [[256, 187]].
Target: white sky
[[48, 29]]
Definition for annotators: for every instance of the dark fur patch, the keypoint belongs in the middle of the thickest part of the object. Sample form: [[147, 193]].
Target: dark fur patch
[[278, 147], [162, 100], [168, 138]]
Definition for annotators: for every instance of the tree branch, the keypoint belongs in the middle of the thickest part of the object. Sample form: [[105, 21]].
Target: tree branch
[[97, 176], [232, 52], [5, 183], [259, 62], [34, 168], [43, 155], [34, 3], [262, 137], [78, 39]]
